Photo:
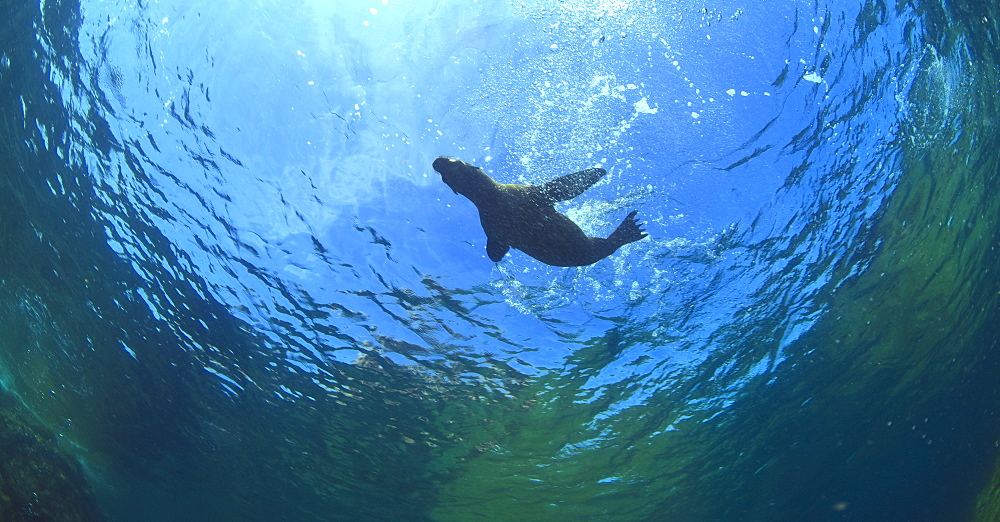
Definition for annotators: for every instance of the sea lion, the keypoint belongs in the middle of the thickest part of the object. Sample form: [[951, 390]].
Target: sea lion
[[523, 216]]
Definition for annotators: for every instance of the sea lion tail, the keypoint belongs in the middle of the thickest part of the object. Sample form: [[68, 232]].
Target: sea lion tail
[[628, 231]]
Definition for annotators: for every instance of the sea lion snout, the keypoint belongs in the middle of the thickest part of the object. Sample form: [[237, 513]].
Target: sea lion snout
[[457, 174], [442, 163]]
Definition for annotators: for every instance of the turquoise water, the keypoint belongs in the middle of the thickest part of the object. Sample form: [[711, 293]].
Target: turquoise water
[[232, 287]]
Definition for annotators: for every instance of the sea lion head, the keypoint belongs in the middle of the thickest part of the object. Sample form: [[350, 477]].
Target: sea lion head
[[461, 177]]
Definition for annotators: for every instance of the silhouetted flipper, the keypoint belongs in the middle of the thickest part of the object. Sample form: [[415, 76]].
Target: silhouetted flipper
[[571, 185], [496, 250]]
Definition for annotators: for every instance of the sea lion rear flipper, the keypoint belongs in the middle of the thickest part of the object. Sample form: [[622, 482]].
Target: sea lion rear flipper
[[496, 250], [628, 231], [570, 185]]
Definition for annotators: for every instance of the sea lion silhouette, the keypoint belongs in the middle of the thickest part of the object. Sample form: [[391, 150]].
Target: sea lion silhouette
[[523, 216]]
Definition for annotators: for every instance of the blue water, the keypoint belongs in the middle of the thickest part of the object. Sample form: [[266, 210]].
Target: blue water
[[232, 287]]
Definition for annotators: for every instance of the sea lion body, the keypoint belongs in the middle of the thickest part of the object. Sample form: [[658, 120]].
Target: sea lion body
[[524, 216]]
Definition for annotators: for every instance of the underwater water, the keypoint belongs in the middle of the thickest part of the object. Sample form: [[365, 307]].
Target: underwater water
[[233, 288]]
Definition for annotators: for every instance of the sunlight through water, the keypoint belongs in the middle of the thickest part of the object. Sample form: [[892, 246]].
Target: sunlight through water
[[232, 286]]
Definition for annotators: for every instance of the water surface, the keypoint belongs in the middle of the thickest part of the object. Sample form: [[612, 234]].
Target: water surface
[[232, 287]]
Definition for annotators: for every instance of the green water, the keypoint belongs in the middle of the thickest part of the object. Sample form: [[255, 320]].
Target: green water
[[891, 411]]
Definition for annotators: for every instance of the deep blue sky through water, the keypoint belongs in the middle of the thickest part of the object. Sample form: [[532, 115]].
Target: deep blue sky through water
[[233, 284]]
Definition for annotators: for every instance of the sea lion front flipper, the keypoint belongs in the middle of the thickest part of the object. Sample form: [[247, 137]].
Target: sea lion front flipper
[[570, 185], [496, 250]]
